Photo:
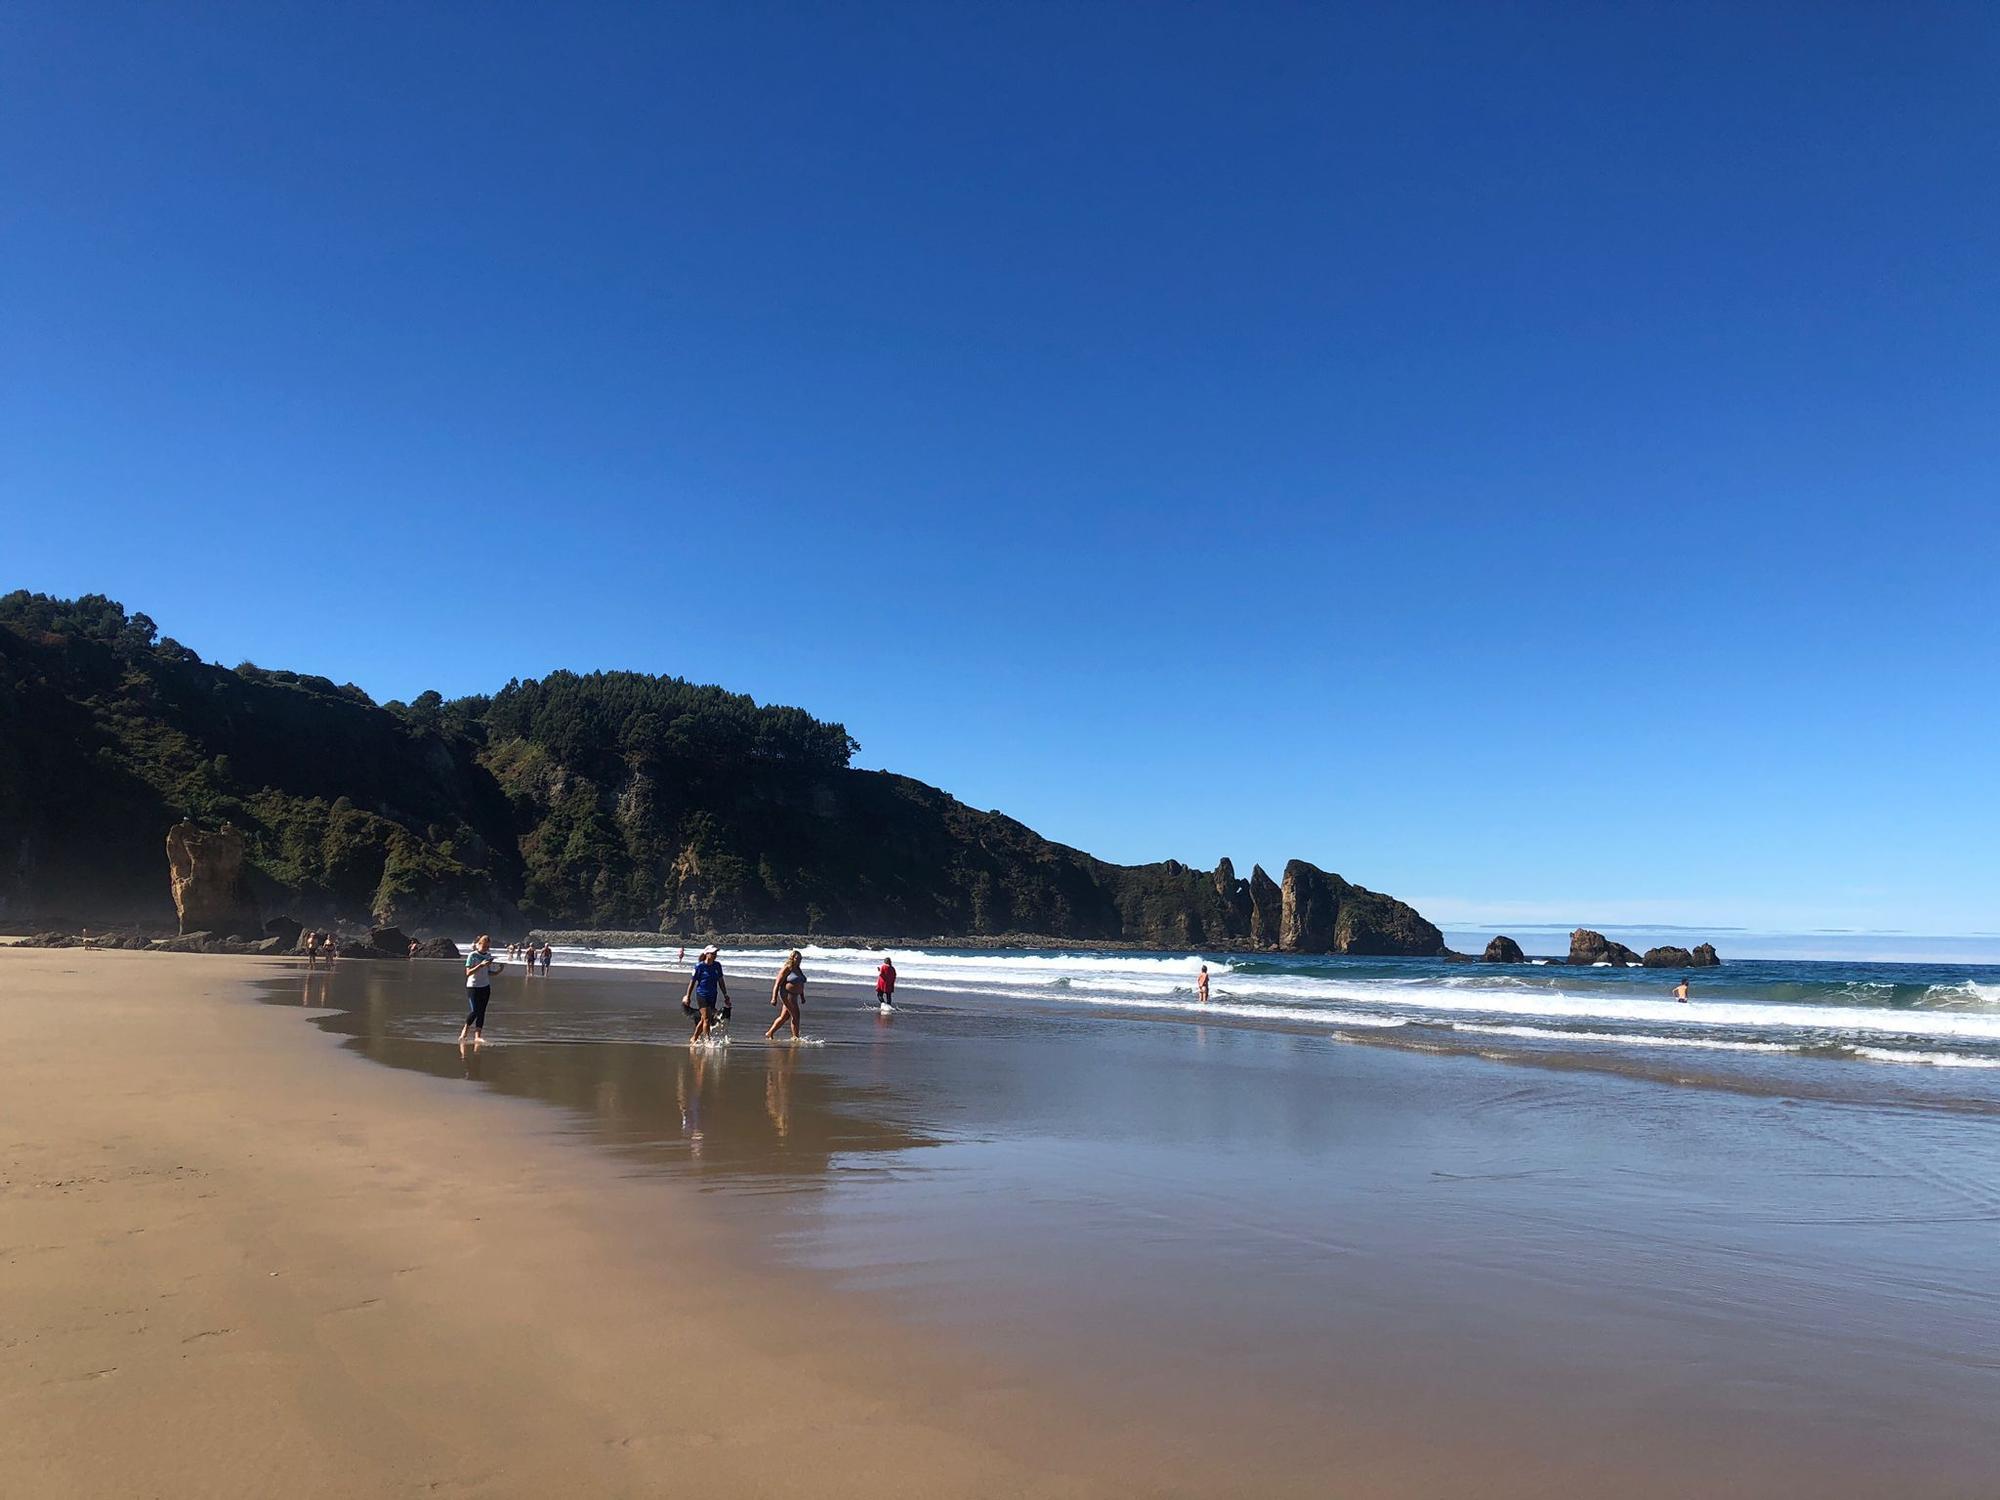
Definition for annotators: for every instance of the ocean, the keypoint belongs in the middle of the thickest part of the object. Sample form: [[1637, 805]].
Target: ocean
[[1780, 1011]]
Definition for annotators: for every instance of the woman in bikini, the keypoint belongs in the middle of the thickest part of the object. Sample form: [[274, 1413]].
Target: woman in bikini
[[788, 993]]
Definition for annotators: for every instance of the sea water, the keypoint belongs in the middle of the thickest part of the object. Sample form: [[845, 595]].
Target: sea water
[[1913, 1014]]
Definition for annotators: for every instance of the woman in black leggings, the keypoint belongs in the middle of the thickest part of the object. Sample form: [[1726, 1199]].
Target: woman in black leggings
[[480, 967]]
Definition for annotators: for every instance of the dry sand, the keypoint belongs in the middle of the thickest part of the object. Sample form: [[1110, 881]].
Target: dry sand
[[239, 1262]]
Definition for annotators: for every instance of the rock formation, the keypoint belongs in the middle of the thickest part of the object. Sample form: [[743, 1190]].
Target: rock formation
[[210, 885], [1704, 956], [1503, 950], [1587, 947], [1668, 958], [1267, 905], [1310, 902], [389, 942], [1322, 913], [437, 948], [286, 928]]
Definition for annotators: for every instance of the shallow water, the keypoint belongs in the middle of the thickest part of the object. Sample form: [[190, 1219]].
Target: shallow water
[[1283, 1250]]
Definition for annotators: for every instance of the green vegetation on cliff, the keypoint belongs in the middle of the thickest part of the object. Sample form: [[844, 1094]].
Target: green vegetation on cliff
[[610, 799]]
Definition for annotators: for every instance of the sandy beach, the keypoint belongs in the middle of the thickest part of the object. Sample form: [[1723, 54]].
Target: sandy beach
[[980, 1248], [238, 1263]]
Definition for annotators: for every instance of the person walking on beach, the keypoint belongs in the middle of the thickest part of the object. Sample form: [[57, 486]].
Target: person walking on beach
[[885, 983], [547, 954], [1681, 990], [705, 986], [1201, 986], [788, 993], [309, 941], [480, 967]]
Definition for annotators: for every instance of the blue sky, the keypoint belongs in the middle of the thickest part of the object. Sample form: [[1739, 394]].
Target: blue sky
[[1537, 460]]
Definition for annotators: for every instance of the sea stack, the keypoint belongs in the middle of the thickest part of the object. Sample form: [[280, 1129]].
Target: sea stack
[[1587, 947], [210, 885], [1503, 950]]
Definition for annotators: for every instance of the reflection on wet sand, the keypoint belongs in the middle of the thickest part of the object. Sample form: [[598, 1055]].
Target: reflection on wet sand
[[773, 1113]]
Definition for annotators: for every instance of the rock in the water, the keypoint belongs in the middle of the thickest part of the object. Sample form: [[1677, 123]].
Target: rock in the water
[[437, 948], [1321, 913], [1704, 956], [1668, 958], [211, 887], [1267, 904], [1503, 950], [1587, 947], [1311, 901], [286, 928]]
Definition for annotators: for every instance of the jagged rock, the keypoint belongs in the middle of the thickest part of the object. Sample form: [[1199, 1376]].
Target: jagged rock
[[286, 928], [1668, 958], [211, 888], [51, 940], [1704, 956], [1587, 947], [1322, 913], [189, 942], [438, 948], [1311, 901], [1503, 950], [1267, 909]]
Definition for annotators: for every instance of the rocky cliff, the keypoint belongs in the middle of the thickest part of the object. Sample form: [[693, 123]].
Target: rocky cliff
[[600, 800]]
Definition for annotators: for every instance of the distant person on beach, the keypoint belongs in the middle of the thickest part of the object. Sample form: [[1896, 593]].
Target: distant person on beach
[[788, 993], [705, 987], [413, 948], [1681, 991], [1201, 986], [547, 954], [682, 956], [885, 982], [329, 948], [480, 967], [309, 944]]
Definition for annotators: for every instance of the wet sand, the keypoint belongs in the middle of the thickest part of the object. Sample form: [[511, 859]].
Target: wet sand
[[983, 1250]]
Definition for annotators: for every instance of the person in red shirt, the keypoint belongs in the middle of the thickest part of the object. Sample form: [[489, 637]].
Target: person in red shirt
[[885, 983]]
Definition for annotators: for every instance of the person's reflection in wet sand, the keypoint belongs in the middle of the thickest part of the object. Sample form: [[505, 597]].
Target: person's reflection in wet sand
[[689, 1081], [473, 1060], [778, 1089]]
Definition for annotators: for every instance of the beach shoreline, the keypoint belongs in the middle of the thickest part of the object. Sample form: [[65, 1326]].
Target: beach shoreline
[[984, 1246], [240, 1264]]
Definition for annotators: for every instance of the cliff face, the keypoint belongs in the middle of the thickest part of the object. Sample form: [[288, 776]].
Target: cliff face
[[610, 800]]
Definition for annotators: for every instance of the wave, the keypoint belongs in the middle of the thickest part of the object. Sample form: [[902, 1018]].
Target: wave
[[1625, 1038]]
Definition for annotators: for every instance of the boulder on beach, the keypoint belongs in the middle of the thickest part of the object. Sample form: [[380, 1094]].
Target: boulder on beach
[[284, 927], [211, 886], [1587, 947], [437, 948], [389, 942], [1503, 950], [1704, 956]]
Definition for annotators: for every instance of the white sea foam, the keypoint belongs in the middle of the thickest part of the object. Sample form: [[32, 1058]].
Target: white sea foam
[[1929, 1059], [1625, 1038]]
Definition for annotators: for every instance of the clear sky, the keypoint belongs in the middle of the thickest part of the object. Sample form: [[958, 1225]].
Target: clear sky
[[1539, 460]]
